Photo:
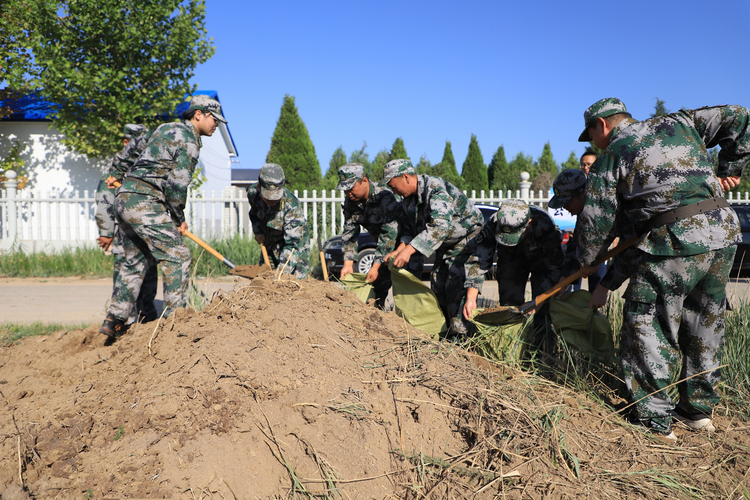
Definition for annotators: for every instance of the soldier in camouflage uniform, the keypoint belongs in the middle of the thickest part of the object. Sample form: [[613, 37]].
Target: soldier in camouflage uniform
[[377, 209], [527, 241], [657, 176], [149, 207], [279, 221], [109, 236], [439, 218]]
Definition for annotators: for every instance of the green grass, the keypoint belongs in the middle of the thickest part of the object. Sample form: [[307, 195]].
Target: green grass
[[12, 332], [735, 383], [88, 261]]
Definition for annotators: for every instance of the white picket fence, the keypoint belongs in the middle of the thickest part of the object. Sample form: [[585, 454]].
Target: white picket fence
[[36, 221]]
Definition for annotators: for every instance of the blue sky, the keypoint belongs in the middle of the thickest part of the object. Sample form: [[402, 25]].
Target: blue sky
[[517, 74]]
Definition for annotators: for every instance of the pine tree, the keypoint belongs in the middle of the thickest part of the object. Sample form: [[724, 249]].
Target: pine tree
[[398, 150], [520, 163], [331, 178], [474, 171], [359, 156], [377, 168], [571, 162], [424, 166], [292, 148], [546, 163], [499, 175], [447, 168], [659, 109]]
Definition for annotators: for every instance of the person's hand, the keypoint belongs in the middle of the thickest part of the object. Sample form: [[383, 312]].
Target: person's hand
[[728, 183], [110, 182], [587, 271], [471, 302], [401, 257], [104, 242], [182, 228], [347, 269], [372, 274], [261, 239], [599, 297], [392, 254]]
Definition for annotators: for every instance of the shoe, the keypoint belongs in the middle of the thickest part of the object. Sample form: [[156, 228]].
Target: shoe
[[694, 421], [113, 327], [664, 433]]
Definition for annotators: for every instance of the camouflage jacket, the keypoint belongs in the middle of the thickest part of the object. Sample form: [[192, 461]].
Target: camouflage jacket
[[126, 158], [105, 211], [438, 216], [660, 164], [541, 244], [165, 168], [379, 215], [284, 221]]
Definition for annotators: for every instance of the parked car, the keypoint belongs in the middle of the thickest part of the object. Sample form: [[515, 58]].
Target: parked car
[[742, 257], [335, 256]]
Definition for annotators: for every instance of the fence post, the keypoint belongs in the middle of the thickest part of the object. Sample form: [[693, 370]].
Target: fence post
[[10, 185], [525, 185]]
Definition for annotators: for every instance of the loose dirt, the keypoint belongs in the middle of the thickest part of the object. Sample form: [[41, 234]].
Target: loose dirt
[[295, 389]]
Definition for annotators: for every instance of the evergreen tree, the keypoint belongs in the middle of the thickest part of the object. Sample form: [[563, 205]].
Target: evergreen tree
[[499, 174], [292, 148], [474, 171], [331, 178], [359, 156], [571, 162], [398, 150], [520, 163], [659, 109], [424, 166], [546, 163], [447, 168], [377, 168]]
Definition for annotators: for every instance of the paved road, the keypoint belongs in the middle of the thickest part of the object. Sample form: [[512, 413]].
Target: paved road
[[74, 300]]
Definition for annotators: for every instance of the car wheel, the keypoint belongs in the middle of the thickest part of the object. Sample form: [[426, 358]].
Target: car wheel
[[365, 260]]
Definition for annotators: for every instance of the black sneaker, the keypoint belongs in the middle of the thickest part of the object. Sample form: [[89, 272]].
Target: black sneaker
[[663, 432], [693, 421], [113, 327]]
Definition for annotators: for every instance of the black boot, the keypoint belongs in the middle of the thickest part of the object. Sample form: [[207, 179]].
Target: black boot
[[113, 327]]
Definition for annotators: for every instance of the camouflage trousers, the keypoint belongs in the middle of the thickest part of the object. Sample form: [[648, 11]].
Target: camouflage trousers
[[675, 306], [299, 263], [145, 310], [512, 275], [148, 236], [447, 283]]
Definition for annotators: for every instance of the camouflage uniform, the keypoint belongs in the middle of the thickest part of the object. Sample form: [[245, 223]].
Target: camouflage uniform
[[106, 221], [440, 218], [284, 225], [379, 215], [676, 299], [527, 241]]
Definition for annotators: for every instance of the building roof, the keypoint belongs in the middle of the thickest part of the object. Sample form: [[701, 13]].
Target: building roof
[[31, 108], [244, 176]]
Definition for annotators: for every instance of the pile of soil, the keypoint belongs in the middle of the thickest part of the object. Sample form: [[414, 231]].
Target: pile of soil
[[286, 388]]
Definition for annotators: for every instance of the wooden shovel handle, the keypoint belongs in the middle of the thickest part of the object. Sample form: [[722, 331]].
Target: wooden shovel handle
[[323, 260], [539, 299], [265, 254]]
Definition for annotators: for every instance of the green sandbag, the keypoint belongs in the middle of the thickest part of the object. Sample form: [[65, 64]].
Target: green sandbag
[[581, 327], [355, 283], [502, 333], [416, 303]]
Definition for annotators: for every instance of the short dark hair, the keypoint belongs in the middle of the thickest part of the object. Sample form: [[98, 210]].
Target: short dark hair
[[612, 119], [189, 114], [588, 152]]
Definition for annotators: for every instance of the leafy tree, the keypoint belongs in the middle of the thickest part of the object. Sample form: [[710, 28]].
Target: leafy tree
[[659, 108], [104, 64], [331, 178], [571, 162], [447, 168], [292, 148], [359, 156], [424, 166], [14, 52], [377, 167], [546, 163], [474, 171], [499, 174], [398, 150], [519, 163]]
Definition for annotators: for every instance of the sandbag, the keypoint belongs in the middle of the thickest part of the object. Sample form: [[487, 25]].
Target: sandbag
[[355, 283], [581, 327], [503, 333], [416, 303]]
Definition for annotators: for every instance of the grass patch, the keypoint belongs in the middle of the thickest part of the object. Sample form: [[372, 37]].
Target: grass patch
[[735, 383], [86, 261], [12, 332]]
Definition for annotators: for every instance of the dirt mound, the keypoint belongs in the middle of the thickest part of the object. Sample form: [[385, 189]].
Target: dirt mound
[[296, 388]]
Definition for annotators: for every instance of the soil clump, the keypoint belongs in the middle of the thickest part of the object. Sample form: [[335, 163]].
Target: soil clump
[[287, 388]]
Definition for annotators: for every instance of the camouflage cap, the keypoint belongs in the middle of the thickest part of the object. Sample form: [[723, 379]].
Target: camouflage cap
[[395, 168], [512, 218], [600, 109], [271, 179], [205, 103], [349, 174], [132, 130], [569, 183]]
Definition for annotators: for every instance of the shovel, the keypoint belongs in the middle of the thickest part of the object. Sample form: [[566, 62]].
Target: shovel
[[539, 299], [322, 260]]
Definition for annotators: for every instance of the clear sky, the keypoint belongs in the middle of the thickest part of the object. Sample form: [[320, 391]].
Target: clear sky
[[517, 74]]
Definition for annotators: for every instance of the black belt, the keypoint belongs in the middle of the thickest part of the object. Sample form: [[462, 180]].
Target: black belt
[[686, 211]]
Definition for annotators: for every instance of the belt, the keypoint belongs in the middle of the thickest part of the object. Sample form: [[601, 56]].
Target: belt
[[686, 211]]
